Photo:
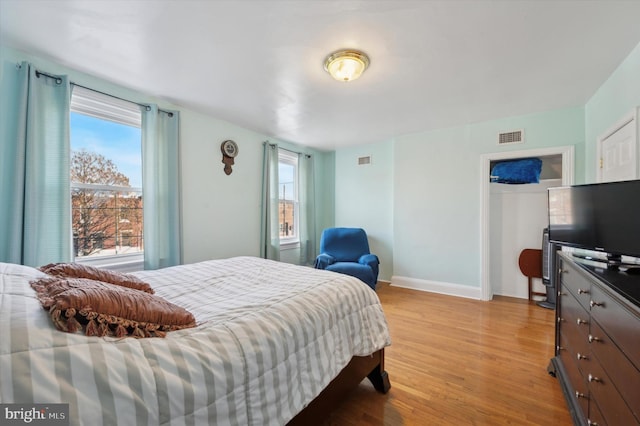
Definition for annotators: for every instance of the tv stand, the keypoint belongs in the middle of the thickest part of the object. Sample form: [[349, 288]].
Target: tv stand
[[597, 356]]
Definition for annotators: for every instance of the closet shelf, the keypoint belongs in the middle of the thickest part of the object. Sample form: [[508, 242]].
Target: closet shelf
[[503, 188]]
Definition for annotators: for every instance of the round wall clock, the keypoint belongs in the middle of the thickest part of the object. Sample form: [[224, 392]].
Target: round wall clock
[[230, 148]]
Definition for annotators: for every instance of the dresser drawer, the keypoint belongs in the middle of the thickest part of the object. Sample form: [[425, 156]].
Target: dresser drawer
[[577, 282], [577, 347], [621, 371], [573, 316], [622, 326], [595, 415], [611, 404], [579, 389]]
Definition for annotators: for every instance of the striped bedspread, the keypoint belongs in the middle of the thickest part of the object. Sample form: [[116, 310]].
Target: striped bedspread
[[270, 337]]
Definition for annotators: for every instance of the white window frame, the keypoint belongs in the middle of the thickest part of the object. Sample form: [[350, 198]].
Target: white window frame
[[291, 158], [105, 107]]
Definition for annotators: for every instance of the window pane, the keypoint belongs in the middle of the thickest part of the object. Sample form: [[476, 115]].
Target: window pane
[[286, 174], [118, 143], [287, 211], [106, 222], [106, 196]]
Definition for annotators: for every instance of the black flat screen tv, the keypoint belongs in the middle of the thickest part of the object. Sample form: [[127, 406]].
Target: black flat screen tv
[[603, 217]]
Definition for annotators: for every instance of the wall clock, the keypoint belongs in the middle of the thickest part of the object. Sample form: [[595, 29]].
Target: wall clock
[[229, 151]]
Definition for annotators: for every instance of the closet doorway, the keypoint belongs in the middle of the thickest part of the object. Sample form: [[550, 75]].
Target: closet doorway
[[501, 222]]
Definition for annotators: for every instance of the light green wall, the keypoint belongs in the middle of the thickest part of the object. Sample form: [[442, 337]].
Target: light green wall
[[612, 101], [437, 191], [421, 197], [220, 213], [325, 200], [363, 198]]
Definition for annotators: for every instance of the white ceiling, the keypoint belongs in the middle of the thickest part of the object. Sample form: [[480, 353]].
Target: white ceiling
[[259, 64]]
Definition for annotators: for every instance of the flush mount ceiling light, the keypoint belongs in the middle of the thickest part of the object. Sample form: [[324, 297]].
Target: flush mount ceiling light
[[346, 65]]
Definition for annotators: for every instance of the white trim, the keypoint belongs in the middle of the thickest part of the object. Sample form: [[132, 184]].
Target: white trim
[[568, 154], [289, 245], [97, 187], [629, 117], [119, 263], [436, 287]]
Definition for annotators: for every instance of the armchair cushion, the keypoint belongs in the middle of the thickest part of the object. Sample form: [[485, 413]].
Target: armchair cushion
[[363, 272]]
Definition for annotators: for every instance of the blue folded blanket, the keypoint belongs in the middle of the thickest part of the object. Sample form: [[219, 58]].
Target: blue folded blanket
[[526, 170]]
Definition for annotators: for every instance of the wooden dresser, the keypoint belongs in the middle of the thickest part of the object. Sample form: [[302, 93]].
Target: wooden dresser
[[597, 357]]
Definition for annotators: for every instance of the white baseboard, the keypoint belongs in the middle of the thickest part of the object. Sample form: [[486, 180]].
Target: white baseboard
[[437, 287]]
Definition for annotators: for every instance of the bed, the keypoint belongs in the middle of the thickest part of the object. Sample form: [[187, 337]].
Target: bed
[[273, 342]]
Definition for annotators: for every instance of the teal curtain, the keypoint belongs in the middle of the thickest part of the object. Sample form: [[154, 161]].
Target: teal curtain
[[269, 227], [35, 194], [161, 187], [306, 198]]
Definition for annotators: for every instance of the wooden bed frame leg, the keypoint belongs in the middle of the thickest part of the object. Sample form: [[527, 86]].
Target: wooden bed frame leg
[[379, 377], [380, 380], [348, 379]]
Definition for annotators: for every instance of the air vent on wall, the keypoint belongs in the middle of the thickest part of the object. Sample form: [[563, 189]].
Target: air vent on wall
[[511, 137], [364, 160]]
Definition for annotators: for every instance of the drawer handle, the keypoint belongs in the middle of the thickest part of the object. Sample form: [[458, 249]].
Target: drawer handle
[[590, 423], [594, 339], [559, 348], [580, 395], [581, 321], [561, 293], [594, 304], [581, 291], [580, 356], [560, 319], [593, 378]]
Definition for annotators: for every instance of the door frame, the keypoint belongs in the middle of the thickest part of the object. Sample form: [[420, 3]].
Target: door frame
[[626, 119], [568, 172]]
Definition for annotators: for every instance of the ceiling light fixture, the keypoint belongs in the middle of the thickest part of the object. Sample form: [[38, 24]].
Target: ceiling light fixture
[[346, 65]]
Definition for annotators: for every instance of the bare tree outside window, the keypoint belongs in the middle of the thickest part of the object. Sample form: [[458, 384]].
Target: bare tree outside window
[[106, 211]]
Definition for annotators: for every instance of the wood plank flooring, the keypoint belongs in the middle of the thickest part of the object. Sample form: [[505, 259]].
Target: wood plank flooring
[[456, 361]]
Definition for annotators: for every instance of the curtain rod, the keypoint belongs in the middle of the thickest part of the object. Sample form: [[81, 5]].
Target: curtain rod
[[59, 80], [273, 145]]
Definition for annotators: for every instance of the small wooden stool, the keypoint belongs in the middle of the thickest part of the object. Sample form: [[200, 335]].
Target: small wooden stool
[[530, 262]]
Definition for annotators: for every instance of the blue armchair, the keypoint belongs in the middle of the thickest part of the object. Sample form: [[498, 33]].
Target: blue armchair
[[346, 250]]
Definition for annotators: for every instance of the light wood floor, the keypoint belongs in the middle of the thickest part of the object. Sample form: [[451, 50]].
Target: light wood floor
[[456, 361]]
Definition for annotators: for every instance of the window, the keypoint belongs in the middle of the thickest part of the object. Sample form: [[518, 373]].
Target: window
[[288, 209], [106, 177]]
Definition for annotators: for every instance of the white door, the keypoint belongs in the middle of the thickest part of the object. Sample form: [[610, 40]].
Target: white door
[[618, 155]]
